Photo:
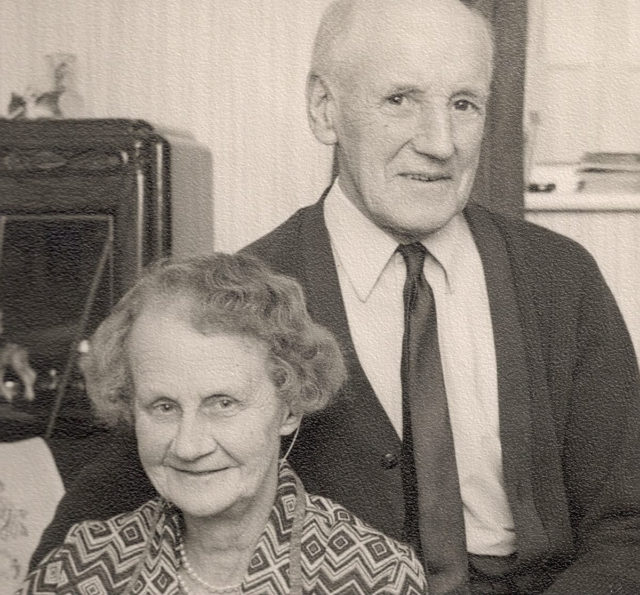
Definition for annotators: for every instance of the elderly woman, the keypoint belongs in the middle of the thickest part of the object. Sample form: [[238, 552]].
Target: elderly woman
[[211, 361]]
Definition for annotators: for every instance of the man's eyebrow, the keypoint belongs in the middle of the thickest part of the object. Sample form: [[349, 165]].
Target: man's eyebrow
[[402, 88], [410, 88], [474, 92]]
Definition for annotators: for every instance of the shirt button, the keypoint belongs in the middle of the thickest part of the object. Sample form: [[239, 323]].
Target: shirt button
[[390, 460]]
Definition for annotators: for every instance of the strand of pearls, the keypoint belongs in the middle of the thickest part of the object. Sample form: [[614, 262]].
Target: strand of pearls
[[233, 590], [183, 586]]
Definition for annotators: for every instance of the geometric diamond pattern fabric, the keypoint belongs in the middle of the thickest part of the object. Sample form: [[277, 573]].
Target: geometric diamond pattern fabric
[[136, 553]]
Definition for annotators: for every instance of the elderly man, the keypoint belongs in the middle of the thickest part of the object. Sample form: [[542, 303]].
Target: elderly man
[[492, 416]]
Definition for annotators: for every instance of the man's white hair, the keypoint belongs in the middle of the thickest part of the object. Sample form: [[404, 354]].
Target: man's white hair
[[337, 23]]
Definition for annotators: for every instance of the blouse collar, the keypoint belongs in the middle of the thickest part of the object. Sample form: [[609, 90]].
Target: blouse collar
[[273, 547]]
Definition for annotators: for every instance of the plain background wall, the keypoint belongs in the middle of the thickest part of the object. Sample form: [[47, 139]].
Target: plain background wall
[[230, 72], [583, 76]]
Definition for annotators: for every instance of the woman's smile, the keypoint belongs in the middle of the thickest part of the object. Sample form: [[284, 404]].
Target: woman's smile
[[208, 419], [199, 473]]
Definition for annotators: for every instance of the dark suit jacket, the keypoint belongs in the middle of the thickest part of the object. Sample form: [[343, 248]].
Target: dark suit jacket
[[570, 434]]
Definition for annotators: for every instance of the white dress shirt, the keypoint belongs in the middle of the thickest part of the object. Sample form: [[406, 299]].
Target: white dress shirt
[[371, 274]]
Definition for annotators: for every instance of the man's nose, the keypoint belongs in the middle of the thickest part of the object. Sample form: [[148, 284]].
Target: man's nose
[[193, 438], [433, 135]]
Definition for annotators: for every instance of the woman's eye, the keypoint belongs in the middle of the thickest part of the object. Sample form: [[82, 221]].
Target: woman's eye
[[222, 404], [397, 99]]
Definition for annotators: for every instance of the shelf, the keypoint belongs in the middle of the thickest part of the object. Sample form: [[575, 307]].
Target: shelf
[[580, 201]]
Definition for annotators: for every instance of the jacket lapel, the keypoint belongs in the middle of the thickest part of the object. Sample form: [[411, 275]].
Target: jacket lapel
[[532, 470], [319, 278], [358, 463]]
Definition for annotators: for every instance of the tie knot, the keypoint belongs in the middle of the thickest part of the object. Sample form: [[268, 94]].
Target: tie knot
[[413, 255]]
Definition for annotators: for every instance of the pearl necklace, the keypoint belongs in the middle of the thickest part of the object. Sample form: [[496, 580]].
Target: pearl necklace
[[233, 589]]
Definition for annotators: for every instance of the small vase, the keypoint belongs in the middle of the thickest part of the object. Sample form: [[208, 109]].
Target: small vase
[[63, 69]]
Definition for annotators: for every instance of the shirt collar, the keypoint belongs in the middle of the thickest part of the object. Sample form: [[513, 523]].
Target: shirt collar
[[362, 248], [353, 236], [450, 246]]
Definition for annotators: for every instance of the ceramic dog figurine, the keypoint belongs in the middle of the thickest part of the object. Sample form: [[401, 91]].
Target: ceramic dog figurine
[[16, 357]]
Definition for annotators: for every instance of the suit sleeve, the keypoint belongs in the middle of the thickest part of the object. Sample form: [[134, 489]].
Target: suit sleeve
[[112, 483], [601, 449]]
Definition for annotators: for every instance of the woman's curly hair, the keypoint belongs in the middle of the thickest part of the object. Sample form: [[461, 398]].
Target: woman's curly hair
[[220, 293]]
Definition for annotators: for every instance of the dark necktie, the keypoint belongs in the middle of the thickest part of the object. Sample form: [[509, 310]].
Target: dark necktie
[[434, 523]]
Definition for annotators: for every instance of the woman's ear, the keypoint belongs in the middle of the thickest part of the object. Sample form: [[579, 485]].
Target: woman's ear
[[321, 110], [290, 421]]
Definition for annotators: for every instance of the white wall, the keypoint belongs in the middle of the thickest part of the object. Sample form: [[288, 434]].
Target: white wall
[[583, 76], [231, 72]]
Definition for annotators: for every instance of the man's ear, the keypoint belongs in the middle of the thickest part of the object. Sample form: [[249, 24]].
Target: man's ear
[[321, 110], [290, 421]]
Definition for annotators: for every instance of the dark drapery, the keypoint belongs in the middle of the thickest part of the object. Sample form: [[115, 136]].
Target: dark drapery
[[500, 180]]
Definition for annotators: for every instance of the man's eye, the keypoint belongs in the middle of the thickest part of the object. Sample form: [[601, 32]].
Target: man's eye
[[464, 105], [163, 407]]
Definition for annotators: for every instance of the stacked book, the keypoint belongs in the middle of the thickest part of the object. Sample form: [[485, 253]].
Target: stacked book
[[610, 173]]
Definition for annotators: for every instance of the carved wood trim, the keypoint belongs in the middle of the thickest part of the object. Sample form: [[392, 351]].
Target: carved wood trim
[[38, 160]]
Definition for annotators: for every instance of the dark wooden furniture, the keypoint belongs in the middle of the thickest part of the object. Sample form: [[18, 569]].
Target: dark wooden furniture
[[84, 205]]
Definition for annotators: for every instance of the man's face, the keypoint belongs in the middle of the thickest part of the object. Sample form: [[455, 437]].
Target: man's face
[[409, 120]]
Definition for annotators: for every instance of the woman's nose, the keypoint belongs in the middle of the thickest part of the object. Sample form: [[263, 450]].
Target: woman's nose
[[433, 136], [193, 438]]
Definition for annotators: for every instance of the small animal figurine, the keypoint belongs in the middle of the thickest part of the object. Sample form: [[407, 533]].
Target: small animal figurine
[[16, 357], [34, 104]]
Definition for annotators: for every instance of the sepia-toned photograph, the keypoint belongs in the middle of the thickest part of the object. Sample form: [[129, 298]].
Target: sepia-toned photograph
[[319, 297]]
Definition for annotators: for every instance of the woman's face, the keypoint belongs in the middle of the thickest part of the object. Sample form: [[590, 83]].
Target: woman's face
[[207, 417]]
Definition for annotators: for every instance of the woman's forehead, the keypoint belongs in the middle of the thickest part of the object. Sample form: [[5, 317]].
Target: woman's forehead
[[166, 349]]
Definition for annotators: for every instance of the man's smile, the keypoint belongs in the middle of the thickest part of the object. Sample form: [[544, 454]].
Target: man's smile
[[425, 177]]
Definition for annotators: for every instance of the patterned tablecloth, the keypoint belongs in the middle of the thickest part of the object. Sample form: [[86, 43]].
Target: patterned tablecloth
[[30, 489]]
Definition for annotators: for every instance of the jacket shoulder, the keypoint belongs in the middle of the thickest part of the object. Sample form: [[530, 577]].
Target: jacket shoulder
[[116, 542], [280, 246], [128, 530], [142, 520], [539, 249], [112, 483]]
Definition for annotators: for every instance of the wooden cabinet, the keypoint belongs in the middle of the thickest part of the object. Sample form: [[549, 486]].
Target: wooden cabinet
[[84, 206]]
